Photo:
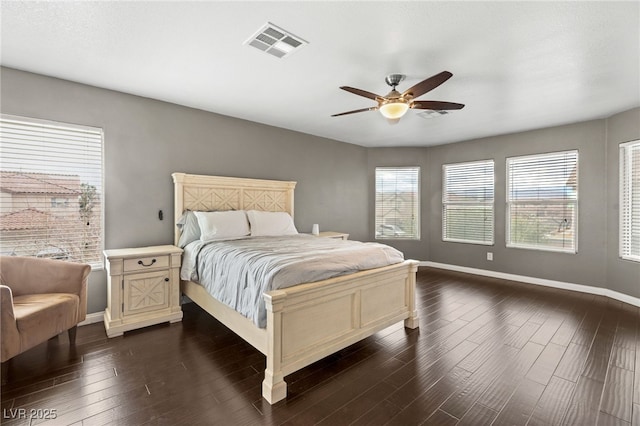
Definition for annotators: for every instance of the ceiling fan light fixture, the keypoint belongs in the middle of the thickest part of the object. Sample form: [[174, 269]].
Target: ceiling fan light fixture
[[394, 110], [394, 104]]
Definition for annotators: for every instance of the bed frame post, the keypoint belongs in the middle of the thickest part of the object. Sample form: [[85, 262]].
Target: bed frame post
[[413, 320], [178, 202], [274, 388]]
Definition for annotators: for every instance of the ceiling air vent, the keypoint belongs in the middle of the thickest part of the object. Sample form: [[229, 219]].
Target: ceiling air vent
[[275, 41]]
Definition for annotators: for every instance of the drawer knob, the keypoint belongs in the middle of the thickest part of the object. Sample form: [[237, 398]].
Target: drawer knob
[[140, 262], [166, 279]]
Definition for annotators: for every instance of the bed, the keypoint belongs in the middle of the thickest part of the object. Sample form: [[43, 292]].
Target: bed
[[306, 322]]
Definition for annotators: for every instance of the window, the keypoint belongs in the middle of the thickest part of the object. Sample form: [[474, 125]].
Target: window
[[60, 202], [542, 201], [397, 203], [467, 202], [630, 201], [51, 201]]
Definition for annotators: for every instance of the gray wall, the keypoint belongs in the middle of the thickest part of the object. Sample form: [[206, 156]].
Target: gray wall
[[588, 266], [622, 275], [597, 262], [146, 140]]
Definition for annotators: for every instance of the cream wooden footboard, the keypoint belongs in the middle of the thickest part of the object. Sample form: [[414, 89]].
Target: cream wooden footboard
[[306, 322]]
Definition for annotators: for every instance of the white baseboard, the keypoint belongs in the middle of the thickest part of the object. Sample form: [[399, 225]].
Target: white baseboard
[[93, 318], [635, 301]]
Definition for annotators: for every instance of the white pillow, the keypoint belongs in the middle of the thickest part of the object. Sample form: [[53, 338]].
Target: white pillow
[[221, 225], [271, 223]]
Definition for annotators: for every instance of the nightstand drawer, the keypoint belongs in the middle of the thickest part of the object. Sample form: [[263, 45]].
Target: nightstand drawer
[[148, 262]]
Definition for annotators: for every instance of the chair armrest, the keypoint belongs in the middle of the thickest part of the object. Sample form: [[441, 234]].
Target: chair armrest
[[29, 275], [8, 327]]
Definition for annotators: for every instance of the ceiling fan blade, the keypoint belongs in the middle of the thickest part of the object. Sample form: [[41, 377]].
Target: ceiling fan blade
[[436, 105], [427, 85], [354, 111], [360, 92]]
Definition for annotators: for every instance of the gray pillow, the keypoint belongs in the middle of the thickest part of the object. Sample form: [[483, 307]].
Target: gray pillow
[[190, 230]]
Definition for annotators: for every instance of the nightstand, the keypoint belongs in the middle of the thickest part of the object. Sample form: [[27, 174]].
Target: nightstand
[[336, 235], [143, 287]]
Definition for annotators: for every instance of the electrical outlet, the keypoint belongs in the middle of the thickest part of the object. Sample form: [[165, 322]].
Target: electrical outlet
[[489, 255]]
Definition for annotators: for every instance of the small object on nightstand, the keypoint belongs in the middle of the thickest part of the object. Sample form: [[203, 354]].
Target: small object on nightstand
[[143, 287], [336, 235], [315, 229]]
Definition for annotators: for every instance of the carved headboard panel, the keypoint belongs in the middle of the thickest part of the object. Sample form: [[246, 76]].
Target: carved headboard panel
[[208, 193]]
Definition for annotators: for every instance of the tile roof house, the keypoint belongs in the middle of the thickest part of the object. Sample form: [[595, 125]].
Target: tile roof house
[[30, 218], [39, 183], [36, 210]]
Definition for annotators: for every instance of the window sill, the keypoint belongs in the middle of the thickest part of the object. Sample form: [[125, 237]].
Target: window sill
[[549, 250]]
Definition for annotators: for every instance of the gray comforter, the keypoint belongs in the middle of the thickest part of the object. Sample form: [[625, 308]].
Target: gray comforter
[[237, 272]]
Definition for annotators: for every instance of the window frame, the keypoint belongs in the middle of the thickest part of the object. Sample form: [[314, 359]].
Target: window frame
[[483, 204], [508, 202], [417, 212], [30, 121], [624, 173]]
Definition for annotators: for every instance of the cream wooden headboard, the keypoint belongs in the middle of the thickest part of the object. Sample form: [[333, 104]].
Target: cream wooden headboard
[[208, 193]]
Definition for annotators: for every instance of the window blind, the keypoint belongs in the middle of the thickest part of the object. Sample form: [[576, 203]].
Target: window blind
[[51, 201], [630, 201], [397, 203], [467, 202], [542, 201]]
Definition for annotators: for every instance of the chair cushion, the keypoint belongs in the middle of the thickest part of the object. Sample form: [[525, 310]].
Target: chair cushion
[[42, 316]]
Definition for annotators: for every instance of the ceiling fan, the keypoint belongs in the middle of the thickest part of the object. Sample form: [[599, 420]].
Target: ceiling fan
[[395, 104]]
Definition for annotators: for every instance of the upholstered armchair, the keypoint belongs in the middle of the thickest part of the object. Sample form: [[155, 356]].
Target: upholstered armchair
[[40, 298]]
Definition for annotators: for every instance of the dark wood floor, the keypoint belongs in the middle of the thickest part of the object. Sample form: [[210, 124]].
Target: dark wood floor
[[487, 352]]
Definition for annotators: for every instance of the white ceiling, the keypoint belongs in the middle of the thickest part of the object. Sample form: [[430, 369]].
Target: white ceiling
[[516, 65]]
